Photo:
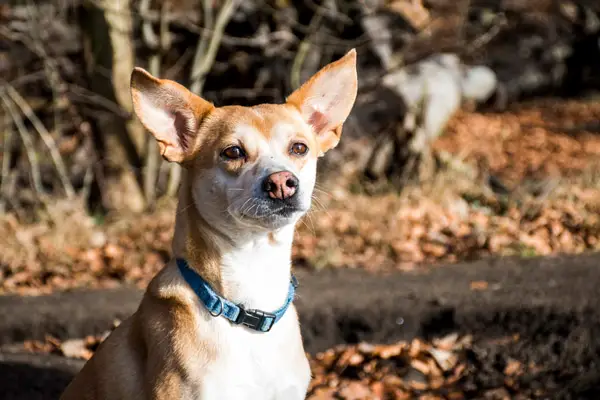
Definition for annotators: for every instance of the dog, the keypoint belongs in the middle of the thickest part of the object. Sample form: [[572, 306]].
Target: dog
[[434, 89], [218, 321]]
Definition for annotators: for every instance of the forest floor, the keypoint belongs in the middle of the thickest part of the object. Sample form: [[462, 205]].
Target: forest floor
[[544, 154]]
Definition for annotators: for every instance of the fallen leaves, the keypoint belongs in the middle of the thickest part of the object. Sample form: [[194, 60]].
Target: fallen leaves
[[73, 348], [543, 138], [401, 370], [452, 218], [450, 367]]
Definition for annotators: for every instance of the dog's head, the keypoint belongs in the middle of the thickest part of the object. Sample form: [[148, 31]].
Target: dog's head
[[249, 167]]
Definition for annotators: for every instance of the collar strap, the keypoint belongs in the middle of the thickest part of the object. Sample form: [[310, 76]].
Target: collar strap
[[236, 313]]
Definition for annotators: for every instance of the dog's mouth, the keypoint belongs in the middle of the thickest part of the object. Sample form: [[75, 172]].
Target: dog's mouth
[[268, 212]]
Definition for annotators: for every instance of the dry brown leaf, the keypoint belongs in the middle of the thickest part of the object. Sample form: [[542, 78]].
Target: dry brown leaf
[[355, 391], [447, 342], [479, 285], [75, 348], [420, 366], [513, 367], [389, 351], [444, 358]]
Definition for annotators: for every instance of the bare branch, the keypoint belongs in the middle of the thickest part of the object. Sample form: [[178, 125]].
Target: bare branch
[[159, 44], [87, 96], [27, 142], [487, 36], [204, 59], [46, 138], [6, 155], [305, 47], [200, 54], [88, 179], [150, 38], [120, 26]]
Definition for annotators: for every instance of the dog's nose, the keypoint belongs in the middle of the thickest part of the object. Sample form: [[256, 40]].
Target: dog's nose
[[281, 185]]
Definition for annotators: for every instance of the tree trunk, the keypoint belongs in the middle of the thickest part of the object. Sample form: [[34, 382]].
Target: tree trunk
[[109, 53]]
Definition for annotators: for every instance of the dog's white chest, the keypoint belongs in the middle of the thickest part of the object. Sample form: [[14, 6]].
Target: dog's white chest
[[258, 366]]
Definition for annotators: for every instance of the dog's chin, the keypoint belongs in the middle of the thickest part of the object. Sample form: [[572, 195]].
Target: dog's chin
[[272, 219]]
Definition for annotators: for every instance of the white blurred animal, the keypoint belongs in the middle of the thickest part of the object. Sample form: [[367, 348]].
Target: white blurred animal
[[434, 89]]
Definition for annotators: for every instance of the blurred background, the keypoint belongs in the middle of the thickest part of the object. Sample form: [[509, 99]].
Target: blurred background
[[475, 135]]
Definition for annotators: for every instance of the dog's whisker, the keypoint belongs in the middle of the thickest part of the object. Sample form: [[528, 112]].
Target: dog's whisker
[[245, 202], [256, 211], [307, 227], [250, 208], [310, 228], [315, 196], [314, 232], [322, 191], [320, 205]]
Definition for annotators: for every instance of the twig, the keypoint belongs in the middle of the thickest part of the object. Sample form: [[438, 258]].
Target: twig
[[6, 159], [196, 85], [88, 179], [27, 142], [150, 38], [487, 36], [46, 138], [58, 87], [159, 44], [6, 154], [176, 68], [10, 197], [261, 40], [86, 96], [204, 59], [250, 93], [305, 47]]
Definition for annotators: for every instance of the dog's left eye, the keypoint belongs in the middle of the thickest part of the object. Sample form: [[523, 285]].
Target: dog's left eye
[[299, 149], [233, 153]]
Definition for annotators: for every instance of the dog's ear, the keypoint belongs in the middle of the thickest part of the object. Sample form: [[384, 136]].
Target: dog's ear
[[170, 112], [325, 100]]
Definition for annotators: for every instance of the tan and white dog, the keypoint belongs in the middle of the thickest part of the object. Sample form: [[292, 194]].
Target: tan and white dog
[[249, 174]]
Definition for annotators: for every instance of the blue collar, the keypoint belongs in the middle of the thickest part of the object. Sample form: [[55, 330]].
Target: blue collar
[[216, 305]]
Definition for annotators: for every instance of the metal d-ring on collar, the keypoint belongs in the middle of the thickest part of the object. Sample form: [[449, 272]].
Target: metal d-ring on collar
[[216, 305], [220, 309]]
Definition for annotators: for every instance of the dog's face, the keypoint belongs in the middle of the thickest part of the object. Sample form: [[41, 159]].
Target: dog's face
[[251, 168]]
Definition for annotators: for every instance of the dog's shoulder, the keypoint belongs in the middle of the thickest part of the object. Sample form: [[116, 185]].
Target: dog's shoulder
[[169, 306]]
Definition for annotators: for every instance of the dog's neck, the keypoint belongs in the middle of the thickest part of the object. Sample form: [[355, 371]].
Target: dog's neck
[[253, 271]]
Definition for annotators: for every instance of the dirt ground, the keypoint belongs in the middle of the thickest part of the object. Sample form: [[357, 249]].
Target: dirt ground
[[495, 329]]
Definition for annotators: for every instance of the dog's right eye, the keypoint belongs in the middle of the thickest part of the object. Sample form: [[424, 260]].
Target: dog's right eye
[[233, 153]]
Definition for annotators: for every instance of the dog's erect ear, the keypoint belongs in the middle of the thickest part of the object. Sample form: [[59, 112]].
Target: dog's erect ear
[[326, 99], [170, 112]]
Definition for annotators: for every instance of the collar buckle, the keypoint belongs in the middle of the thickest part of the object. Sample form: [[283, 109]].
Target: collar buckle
[[255, 319]]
